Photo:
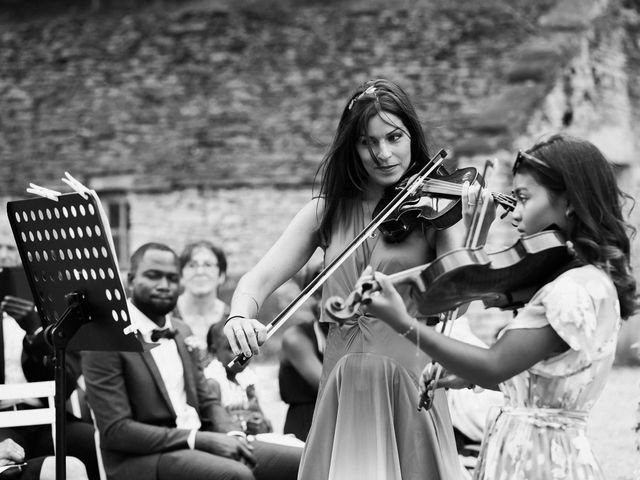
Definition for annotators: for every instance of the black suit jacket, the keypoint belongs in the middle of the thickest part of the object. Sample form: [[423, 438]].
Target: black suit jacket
[[133, 412], [1, 348]]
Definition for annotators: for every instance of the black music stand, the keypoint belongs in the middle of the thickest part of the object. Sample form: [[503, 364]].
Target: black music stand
[[67, 255]]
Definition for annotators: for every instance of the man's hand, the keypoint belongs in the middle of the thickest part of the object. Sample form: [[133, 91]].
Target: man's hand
[[22, 311], [256, 424], [10, 452], [225, 445]]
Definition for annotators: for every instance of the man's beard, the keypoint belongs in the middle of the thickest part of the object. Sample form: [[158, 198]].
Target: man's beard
[[152, 308]]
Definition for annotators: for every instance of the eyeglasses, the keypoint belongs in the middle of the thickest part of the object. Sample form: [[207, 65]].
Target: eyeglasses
[[522, 155], [204, 266]]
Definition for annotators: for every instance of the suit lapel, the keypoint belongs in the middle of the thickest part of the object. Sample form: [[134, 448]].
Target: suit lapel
[[187, 366], [155, 373]]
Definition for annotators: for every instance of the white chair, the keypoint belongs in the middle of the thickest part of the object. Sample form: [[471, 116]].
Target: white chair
[[34, 416], [96, 437]]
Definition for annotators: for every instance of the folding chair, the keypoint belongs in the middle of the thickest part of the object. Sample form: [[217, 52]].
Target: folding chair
[[34, 416]]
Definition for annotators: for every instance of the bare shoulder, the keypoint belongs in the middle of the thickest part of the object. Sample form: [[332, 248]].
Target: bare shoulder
[[313, 209]]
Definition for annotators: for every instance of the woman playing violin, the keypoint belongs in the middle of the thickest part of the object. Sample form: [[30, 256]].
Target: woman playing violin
[[553, 360], [366, 425]]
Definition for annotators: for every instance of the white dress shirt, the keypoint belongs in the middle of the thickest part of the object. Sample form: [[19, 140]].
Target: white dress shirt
[[13, 335], [170, 366]]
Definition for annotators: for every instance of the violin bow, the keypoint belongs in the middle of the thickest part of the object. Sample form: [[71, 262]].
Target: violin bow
[[317, 282], [471, 241]]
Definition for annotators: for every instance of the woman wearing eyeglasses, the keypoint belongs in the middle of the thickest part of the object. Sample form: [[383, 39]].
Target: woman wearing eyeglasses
[[203, 268], [552, 361]]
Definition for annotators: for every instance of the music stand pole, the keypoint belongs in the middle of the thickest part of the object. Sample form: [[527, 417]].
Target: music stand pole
[[58, 336]]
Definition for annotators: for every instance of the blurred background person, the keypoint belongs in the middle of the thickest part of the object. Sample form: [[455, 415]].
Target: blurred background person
[[470, 408], [203, 269], [301, 362], [237, 387], [15, 466]]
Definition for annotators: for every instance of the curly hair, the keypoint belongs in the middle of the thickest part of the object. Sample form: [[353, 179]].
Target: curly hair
[[598, 229]]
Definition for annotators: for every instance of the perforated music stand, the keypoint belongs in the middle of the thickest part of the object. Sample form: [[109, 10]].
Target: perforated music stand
[[66, 251]]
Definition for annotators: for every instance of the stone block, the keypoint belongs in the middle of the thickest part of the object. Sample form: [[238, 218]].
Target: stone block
[[573, 14], [508, 112]]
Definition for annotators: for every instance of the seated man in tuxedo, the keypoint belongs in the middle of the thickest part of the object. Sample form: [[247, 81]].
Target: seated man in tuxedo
[[157, 415]]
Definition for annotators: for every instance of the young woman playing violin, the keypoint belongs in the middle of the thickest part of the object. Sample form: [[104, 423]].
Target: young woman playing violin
[[366, 425], [552, 361]]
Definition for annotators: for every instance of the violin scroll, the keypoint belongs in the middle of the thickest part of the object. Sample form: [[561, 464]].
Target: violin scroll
[[342, 310]]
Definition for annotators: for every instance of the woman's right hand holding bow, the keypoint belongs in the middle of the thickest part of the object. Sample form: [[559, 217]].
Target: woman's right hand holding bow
[[245, 335]]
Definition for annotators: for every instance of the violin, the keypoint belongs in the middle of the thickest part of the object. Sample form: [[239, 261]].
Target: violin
[[437, 203], [317, 282], [506, 279]]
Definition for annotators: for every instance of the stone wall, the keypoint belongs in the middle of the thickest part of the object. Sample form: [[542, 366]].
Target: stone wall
[[221, 97], [246, 222], [595, 96]]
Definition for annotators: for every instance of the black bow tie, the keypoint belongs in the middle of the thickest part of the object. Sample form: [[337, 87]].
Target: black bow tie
[[159, 333]]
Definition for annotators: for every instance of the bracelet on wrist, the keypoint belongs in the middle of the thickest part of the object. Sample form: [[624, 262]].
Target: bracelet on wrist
[[232, 317], [411, 328]]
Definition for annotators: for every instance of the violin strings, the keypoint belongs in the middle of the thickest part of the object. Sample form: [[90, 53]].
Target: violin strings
[[440, 186], [444, 184], [444, 187]]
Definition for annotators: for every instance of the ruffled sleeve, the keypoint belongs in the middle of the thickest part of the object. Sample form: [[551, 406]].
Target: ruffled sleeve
[[570, 308], [571, 305]]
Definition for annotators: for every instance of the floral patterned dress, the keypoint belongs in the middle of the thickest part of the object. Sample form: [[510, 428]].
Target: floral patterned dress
[[541, 431]]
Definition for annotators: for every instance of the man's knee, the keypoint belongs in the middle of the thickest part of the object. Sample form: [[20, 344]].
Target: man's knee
[[75, 469], [194, 464], [240, 471]]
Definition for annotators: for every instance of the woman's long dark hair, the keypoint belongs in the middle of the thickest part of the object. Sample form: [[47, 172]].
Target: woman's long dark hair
[[597, 227], [343, 176]]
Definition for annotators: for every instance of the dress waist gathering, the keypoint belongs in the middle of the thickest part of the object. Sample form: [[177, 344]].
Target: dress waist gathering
[[554, 418]]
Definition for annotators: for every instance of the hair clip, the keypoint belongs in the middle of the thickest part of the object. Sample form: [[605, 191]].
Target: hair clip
[[369, 91]]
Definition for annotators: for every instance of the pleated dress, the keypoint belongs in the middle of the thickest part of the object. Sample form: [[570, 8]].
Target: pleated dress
[[366, 424]]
